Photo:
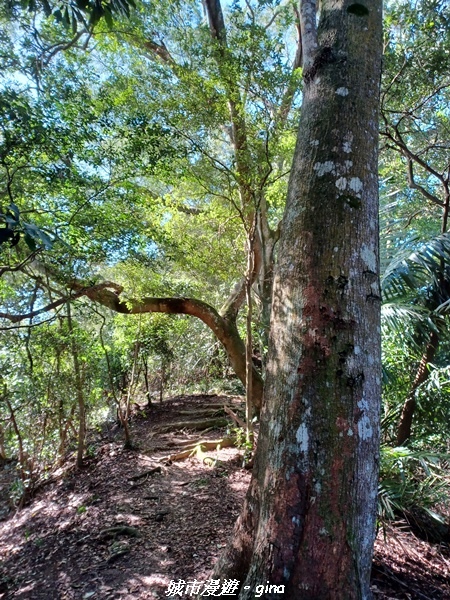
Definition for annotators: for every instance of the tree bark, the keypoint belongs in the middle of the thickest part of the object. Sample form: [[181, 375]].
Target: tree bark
[[308, 523]]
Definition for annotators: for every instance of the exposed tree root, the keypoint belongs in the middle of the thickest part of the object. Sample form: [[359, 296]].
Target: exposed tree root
[[203, 424], [199, 448], [145, 474], [113, 532], [204, 413], [235, 417]]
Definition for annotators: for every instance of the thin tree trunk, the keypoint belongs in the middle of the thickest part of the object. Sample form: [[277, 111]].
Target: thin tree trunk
[[404, 428], [78, 389], [406, 418], [3, 457], [125, 414], [146, 381], [23, 462], [308, 523], [249, 342]]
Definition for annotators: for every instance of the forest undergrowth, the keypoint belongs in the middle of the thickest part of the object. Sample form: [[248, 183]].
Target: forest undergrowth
[[132, 521]]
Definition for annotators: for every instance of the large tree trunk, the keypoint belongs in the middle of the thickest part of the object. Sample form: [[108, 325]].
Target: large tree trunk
[[308, 523]]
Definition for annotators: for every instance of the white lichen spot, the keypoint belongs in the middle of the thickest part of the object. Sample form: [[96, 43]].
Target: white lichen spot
[[348, 164], [323, 168], [314, 143], [350, 432], [348, 140], [347, 147], [377, 380], [323, 531], [342, 91], [341, 183], [318, 488], [302, 437], [296, 520], [276, 428], [335, 249], [369, 257], [365, 429], [355, 184], [357, 350]]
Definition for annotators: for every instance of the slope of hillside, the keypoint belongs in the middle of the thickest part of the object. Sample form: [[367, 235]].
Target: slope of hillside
[[131, 522]]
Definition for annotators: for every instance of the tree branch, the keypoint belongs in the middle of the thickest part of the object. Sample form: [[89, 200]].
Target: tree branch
[[82, 291], [216, 21], [161, 51], [223, 328], [308, 29], [7, 269], [288, 96], [411, 158], [415, 186]]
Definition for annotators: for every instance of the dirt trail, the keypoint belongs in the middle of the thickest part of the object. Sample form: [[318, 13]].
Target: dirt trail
[[107, 533]]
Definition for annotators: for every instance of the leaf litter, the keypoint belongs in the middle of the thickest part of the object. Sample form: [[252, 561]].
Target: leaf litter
[[130, 522]]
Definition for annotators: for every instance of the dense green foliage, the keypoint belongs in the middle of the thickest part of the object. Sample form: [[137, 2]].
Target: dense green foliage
[[142, 151]]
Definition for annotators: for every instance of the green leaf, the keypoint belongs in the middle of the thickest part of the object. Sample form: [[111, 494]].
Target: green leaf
[[30, 242]]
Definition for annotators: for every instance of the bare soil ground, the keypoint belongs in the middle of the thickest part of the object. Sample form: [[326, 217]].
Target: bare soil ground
[[118, 530]]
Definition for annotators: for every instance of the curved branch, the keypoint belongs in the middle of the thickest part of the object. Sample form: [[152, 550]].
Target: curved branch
[[223, 328]]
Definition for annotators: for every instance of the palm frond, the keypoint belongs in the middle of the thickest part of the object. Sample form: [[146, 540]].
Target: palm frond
[[424, 267], [410, 479], [413, 322]]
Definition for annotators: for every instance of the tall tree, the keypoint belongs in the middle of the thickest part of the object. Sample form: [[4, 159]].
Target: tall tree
[[309, 518], [218, 91], [415, 128]]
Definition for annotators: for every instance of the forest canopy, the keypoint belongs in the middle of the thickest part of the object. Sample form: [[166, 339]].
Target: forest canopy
[[145, 154]]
